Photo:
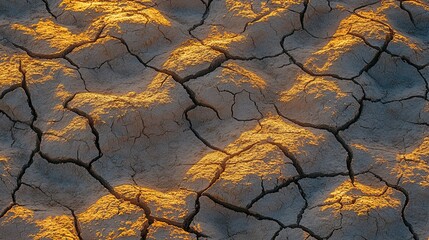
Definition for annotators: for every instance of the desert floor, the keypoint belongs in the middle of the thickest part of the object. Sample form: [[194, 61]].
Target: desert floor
[[214, 119]]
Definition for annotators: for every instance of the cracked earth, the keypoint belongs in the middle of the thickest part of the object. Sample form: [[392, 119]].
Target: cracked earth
[[214, 119]]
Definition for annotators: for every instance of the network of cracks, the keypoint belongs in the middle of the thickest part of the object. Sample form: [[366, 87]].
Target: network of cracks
[[214, 119]]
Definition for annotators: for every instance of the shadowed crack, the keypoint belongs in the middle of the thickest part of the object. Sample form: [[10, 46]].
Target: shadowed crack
[[72, 212], [203, 18], [91, 125], [135, 201], [335, 132], [88, 167], [259, 216], [191, 216], [407, 200], [289, 155], [303, 195], [76, 224], [48, 8], [410, 15], [197, 135], [286, 182], [9, 89], [234, 95], [38, 140], [277, 233]]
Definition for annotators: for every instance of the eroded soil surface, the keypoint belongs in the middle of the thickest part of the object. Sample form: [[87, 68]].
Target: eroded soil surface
[[220, 119]]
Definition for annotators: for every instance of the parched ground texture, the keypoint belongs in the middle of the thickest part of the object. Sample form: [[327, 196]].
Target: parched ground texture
[[220, 119]]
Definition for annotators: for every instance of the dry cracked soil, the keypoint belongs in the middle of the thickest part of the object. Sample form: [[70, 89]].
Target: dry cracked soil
[[214, 119]]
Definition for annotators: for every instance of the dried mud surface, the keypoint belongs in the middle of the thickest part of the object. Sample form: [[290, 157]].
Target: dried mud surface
[[214, 119]]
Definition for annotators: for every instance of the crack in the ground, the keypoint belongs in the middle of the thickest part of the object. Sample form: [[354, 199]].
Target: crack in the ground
[[223, 165], [234, 95], [304, 197], [286, 182], [88, 167], [48, 9], [407, 200], [333, 131], [24, 168], [203, 18], [91, 124], [410, 15], [259, 216], [72, 212]]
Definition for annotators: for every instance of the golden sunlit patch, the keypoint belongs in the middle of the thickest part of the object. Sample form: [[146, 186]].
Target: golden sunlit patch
[[9, 74], [47, 70], [106, 208], [231, 70], [275, 129], [57, 36], [190, 54], [360, 198], [204, 170], [4, 162], [261, 160], [56, 228], [77, 124], [160, 230], [115, 12], [132, 229], [157, 92], [118, 218], [19, 212], [378, 13], [221, 39], [413, 167], [314, 88], [334, 50], [407, 42], [4, 158], [62, 94], [381, 15], [260, 10], [343, 42], [242, 9], [170, 205], [360, 147]]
